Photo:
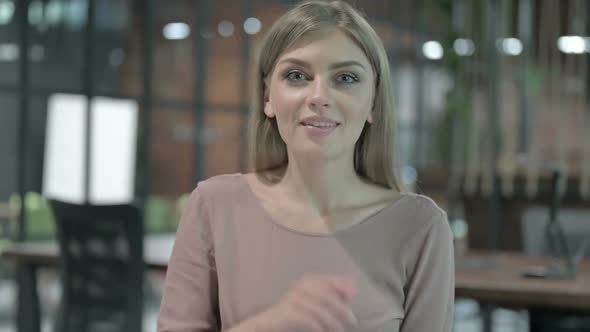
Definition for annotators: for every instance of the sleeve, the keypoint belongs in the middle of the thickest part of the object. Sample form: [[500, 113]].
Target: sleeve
[[189, 299], [430, 290]]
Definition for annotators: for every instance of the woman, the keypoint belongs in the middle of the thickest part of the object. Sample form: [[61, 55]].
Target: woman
[[321, 237]]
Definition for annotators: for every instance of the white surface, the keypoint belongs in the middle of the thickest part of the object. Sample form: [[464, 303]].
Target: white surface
[[113, 150], [63, 173], [114, 138]]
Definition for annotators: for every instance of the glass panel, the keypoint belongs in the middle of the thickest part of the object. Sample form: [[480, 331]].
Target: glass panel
[[118, 48], [172, 148], [172, 152], [224, 143], [36, 142], [8, 43], [174, 57], [57, 34], [8, 148], [225, 51]]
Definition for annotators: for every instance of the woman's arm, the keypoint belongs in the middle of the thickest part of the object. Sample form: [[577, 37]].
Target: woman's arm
[[189, 301], [315, 303], [430, 290]]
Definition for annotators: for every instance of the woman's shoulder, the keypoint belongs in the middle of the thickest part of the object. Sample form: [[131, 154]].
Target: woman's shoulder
[[419, 212], [422, 226], [423, 204], [217, 189], [219, 184]]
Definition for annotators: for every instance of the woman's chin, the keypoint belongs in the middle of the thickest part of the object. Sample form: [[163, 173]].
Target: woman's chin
[[314, 151]]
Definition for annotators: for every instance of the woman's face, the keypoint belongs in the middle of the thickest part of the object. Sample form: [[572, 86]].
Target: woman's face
[[321, 93]]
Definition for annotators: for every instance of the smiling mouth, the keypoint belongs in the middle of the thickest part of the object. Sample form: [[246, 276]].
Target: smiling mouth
[[320, 124]]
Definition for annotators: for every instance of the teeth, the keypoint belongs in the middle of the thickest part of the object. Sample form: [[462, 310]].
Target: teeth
[[320, 124]]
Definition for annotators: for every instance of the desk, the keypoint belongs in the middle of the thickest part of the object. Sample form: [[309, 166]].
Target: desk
[[157, 251], [495, 279], [484, 276], [31, 256]]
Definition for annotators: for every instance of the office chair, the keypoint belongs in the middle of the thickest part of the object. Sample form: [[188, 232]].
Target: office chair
[[102, 267]]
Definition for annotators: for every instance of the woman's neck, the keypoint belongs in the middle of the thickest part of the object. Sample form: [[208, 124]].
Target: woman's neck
[[321, 185]]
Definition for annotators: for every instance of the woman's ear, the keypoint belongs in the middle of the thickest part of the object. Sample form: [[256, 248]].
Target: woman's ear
[[267, 104], [370, 117], [371, 112], [268, 109]]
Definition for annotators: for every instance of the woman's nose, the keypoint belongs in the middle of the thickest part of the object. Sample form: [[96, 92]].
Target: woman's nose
[[319, 98]]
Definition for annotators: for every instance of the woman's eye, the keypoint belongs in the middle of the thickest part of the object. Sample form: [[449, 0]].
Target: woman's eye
[[295, 76], [347, 78]]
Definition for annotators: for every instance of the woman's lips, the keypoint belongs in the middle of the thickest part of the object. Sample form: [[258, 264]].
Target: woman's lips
[[318, 132]]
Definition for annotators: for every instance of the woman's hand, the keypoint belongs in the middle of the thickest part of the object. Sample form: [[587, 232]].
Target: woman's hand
[[315, 303]]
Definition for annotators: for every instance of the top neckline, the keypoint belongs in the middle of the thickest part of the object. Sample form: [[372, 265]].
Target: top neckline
[[350, 228]]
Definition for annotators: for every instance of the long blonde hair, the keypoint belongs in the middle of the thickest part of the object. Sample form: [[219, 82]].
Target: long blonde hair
[[373, 153]]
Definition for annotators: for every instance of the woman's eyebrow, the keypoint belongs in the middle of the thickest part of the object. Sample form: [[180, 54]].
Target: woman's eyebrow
[[347, 64], [335, 65]]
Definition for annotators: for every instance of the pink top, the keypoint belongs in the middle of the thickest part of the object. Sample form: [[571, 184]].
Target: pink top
[[231, 260]]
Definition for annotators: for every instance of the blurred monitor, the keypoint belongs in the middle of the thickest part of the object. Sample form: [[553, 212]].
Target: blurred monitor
[[575, 224]]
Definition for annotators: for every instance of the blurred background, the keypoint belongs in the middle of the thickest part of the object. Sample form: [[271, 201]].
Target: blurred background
[[492, 100]]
